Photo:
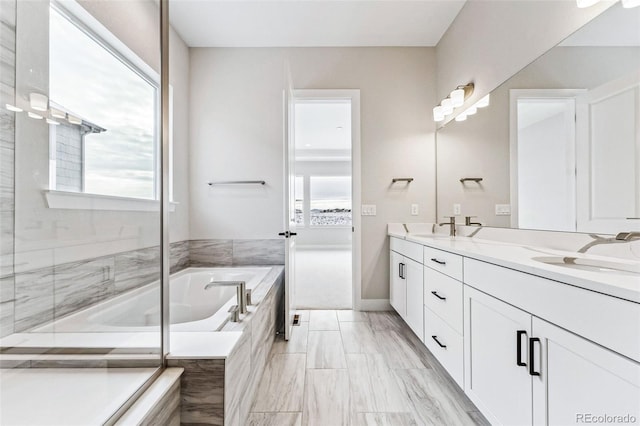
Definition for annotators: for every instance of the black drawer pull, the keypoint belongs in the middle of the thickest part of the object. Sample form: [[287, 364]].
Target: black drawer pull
[[440, 262], [438, 342], [519, 334], [532, 370], [438, 296]]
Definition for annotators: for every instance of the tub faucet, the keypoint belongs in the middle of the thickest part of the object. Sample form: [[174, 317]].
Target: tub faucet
[[241, 291], [452, 225]]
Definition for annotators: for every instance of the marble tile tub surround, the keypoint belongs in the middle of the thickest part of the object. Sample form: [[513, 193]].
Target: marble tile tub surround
[[35, 297], [220, 391]]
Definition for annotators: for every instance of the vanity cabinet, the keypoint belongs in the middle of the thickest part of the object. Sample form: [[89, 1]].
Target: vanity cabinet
[[522, 370], [406, 283]]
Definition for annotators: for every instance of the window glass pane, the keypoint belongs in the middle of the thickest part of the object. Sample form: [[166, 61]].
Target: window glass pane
[[330, 200], [299, 190], [112, 151]]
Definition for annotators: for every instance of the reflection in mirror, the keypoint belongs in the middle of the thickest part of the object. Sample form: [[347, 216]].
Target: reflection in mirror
[[559, 147]]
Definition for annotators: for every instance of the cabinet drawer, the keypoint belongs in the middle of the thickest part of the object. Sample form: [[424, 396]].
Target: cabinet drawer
[[445, 262], [407, 248], [450, 356], [443, 295]]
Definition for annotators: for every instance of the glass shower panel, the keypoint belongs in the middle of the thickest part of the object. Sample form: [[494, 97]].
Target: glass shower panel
[[79, 189]]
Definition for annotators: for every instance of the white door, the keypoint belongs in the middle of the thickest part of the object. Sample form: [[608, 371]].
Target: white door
[[398, 289], [415, 295], [290, 211], [497, 377], [579, 378], [608, 157]]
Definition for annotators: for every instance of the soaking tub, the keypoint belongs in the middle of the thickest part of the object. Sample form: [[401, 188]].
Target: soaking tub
[[192, 307]]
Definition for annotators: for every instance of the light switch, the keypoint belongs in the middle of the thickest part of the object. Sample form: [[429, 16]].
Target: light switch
[[503, 209], [368, 210], [415, 210], [457, 210]]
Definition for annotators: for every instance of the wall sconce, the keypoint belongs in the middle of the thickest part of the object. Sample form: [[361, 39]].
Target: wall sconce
[[455, 99], [38, 101], [74, 120], [34, 115]]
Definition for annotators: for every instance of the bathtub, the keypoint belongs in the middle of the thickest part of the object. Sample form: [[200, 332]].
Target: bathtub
[[192, 308]]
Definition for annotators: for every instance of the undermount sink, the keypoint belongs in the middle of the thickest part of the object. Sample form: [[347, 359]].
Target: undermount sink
[[593, 265]]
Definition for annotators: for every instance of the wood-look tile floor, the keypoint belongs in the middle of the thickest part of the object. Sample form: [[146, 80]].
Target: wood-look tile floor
[[357, 368]]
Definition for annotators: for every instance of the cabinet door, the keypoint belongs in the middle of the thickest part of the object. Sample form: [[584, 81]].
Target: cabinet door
[[496, 378], [398, 286], [579, 378], [415, 297]]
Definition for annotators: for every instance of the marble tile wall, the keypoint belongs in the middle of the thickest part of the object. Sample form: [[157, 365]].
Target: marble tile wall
[[214, 252], [7, 151]]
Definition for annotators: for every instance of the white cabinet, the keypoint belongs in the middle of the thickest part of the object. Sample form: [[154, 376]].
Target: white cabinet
[[521, 370], [496, 376], [415, 307], [406, 289], [398, 285], [579, 378]]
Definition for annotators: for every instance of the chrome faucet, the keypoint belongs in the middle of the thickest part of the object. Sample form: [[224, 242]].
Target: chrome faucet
[[241, 292], [622, 237], [468, 222], [452, 225]]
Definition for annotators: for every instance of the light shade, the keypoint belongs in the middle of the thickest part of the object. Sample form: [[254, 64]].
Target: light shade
[[457, 97], [447, 106], [34, 115], [472, 110], [74, 120], [586, 3], [630, 3], [438, 115], [52, 121], [461, 117], [484, 102], [58, 113], [38, 101], [13, 108]]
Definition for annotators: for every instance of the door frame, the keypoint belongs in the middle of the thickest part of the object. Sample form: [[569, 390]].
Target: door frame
[[353, 95], [514, 96]]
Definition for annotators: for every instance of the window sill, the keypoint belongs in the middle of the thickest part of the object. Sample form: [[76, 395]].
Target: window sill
[[82, 201]]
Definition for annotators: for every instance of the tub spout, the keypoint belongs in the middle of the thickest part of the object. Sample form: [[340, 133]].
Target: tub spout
[[241, 292]]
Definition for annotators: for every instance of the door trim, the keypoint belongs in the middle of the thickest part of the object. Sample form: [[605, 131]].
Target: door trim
[[356, 186]]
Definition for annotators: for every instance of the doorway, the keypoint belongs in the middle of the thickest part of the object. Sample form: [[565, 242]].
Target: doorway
[[326, 189]]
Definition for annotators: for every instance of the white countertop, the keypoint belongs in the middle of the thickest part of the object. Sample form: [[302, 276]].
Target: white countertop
[[520, 257]]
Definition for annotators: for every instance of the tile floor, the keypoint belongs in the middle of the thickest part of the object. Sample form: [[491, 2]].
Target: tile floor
[[357, 368]]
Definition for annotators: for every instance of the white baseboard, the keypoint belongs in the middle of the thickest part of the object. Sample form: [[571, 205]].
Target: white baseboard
[[375, 305]]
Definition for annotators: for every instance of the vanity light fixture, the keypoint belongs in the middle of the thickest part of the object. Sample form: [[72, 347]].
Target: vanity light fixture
[[56, 113], [38, 101], [13, 108], [74, 120], [472, 110], [586, 3], [484, 102], [461, 117], [461, 93], [447, 106], [34, 115], [52, 121], [438, 115], [627, 4]]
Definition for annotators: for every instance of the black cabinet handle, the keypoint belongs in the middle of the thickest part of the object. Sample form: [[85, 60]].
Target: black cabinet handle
[[400, 269], [404, 271], [519, 334], [438, 296], [438, 342], [532, 370], [293, 233], [282, 234], [440, 262]]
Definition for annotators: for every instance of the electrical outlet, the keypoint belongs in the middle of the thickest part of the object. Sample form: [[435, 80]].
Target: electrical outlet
[[457, 209], [368, 210], [415, 210], [503, 209]]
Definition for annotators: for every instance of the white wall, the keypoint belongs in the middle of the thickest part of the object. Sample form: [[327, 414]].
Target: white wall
[[46, 236], [489, 41], [236, 133]]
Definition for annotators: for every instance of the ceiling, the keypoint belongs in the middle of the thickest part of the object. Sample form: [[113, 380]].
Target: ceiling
[[317, 23], [323, 128]]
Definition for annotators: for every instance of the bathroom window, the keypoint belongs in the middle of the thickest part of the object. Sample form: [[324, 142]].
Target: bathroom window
[[330, 200], [299, 191], [108, 142]]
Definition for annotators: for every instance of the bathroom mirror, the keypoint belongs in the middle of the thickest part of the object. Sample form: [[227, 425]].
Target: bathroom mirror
[[558, 148]]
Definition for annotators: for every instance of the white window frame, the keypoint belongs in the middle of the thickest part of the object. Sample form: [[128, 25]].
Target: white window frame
[[89, 25]]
